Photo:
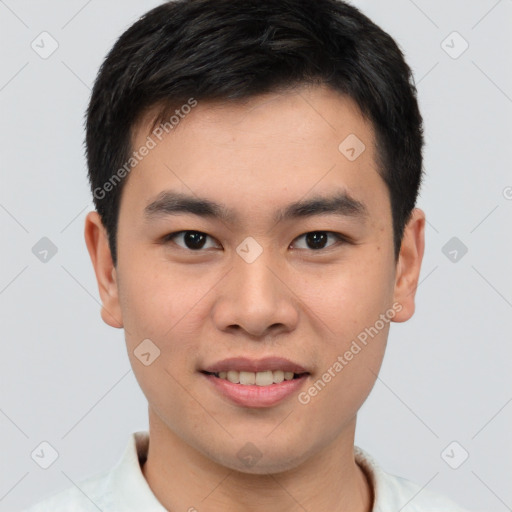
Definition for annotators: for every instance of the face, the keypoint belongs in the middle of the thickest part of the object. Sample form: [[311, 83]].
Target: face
[[291, 270]]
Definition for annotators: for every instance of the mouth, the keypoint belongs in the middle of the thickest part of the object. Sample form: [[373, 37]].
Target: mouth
[[262, 378], [251, 383], [256, 389]]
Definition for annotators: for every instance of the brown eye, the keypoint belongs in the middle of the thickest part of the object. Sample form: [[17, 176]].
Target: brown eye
[[317, 240], [191, 240]]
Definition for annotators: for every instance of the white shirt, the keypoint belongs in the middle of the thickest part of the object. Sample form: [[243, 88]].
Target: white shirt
[[124, 488]]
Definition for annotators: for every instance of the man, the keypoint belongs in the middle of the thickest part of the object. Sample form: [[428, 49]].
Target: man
[[255, 167]]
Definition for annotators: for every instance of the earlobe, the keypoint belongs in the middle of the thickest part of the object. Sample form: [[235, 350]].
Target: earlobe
[[409, 265], [96, 240]]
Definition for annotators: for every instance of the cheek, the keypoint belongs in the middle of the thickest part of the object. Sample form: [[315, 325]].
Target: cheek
[[158, 309], [352, 342], [156, 299], [349, 297], [350, 301]]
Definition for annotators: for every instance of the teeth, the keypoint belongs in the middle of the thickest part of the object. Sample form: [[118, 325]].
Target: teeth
[[247, 378], [278, 376], [265, 378], [233, 377]]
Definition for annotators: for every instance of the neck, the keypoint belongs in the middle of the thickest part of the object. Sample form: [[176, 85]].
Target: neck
[[182, 478]]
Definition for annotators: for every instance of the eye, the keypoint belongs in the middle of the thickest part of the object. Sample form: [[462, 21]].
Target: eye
[[191, 240], [197, 240], [317, 239]]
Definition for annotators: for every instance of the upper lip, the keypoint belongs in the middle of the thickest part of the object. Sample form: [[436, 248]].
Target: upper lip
[[244, 364]]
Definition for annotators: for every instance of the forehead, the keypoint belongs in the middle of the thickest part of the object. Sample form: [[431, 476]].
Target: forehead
[[258, 151]]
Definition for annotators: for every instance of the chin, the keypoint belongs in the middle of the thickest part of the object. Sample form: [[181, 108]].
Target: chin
[[251, 460]]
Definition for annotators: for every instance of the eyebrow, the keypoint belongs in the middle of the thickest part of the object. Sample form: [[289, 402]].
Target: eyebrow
[[174, 203]]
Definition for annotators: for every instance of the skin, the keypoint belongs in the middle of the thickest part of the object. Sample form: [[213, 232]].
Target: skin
[[293, 301]]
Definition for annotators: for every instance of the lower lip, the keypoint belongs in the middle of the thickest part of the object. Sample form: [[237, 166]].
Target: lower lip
[[256, 396]]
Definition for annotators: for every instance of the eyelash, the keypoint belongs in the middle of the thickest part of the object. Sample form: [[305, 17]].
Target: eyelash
[[340, 239]]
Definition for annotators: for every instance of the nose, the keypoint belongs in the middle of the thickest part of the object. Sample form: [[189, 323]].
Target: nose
[[255, 298]]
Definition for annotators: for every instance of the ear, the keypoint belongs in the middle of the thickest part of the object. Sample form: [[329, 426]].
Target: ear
[[96, 240], [409, 265]]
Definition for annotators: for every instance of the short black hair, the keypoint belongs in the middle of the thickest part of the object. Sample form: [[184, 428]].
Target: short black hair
[[230, 50]]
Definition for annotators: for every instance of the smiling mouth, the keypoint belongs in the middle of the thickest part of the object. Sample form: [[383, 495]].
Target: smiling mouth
[[265, 378]]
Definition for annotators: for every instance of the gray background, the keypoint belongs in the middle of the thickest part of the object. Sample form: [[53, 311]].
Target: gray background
[[446, 377]]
